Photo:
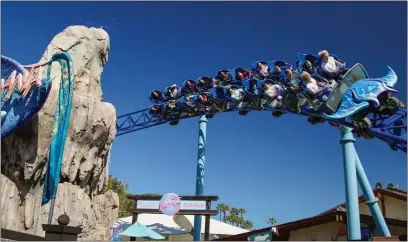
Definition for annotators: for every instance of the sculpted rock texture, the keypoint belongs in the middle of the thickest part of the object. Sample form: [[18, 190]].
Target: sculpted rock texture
[[84, 173]]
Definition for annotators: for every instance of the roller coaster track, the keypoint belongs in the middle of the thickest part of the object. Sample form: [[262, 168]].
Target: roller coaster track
[[391, 129]]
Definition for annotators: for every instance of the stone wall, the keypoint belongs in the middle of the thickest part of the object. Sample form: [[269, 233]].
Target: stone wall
[[24, 154]]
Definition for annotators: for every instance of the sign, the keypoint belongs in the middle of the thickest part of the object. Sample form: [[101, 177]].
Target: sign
[[184, 205], [170, 204], [148, 204]]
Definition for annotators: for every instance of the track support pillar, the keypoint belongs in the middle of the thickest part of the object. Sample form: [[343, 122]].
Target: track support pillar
[[371, 200], [202, 139], [350, 177]]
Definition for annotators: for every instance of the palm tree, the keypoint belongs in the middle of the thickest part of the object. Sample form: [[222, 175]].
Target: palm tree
[[239, 221], [234, 211], [224, 209], [229, 218], [219, 210], [242, 211], [272, 221], [247, 225]]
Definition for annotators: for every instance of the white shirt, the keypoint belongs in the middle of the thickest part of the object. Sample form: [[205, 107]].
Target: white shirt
[[272, 90], [330, 65], [312, 87]]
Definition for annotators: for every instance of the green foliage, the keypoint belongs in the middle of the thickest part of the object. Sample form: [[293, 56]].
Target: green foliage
[[126, 205], [235, 216], [272, 221]]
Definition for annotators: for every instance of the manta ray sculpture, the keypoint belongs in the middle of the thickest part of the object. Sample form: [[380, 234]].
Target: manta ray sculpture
[[24, 94], [364, 92]]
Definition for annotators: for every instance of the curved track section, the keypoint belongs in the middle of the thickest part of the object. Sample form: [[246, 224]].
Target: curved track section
[[345, 98]]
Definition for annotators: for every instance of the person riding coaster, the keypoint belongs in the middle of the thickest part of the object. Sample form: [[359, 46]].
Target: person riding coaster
[[224, 78], [205, 83], [172, 92], [189, 87], [206, 104], [239, 75], [260, 70], [227, 97], [272, 93], [308, 63], [330, 66], [291, 87], [316, 92], [276, 69], [156, 97], [187, 104]]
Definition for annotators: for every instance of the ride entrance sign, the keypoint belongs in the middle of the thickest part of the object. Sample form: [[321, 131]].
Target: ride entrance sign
[[170, 204], [173, 205]]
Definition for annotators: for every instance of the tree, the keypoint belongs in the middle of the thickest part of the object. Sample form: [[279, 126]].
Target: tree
[[272, 221], [247, 225], [242, 211], [234, 211], [126, 205], [224, 209], [239, 221]]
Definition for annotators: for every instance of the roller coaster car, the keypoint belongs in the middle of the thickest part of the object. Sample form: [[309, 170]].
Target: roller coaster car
[[224, 77], [156, 96], [172, 92], [189, 87], [260, 70], [359, 96]]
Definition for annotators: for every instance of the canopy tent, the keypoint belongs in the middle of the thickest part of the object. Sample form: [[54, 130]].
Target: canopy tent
[[165, 225], [141, 231]]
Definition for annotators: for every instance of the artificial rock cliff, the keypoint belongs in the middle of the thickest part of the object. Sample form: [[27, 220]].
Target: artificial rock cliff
[[82, 191]]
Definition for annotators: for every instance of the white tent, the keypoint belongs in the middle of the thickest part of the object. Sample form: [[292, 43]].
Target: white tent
[[165, 225]]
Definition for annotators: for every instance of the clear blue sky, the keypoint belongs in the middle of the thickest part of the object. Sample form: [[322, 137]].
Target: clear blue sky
[[285, 167]]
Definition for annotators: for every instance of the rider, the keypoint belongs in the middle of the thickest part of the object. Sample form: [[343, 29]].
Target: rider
[[272, 91], [205, 83], [276, 74], [241, 75], [173, 92], [262, 70], [317, 89], [156, 96], [156, 110], [224, 77], [332, 67], [187, 104], [309, 67], [289, 79], [189, 87]]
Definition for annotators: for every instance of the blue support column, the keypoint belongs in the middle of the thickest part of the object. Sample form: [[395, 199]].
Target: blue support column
[[350, 177], [371, 200], [200, 172]]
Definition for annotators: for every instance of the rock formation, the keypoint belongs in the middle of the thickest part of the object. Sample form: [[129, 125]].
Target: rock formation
[[82, 191]]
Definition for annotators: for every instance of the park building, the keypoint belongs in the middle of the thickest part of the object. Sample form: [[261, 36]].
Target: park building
[[331, 225]]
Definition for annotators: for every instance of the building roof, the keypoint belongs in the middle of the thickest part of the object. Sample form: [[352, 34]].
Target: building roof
[[337, 213], [390, 191], [164, 224]]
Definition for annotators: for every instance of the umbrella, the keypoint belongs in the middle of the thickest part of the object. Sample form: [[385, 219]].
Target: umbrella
[[139, 230]]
